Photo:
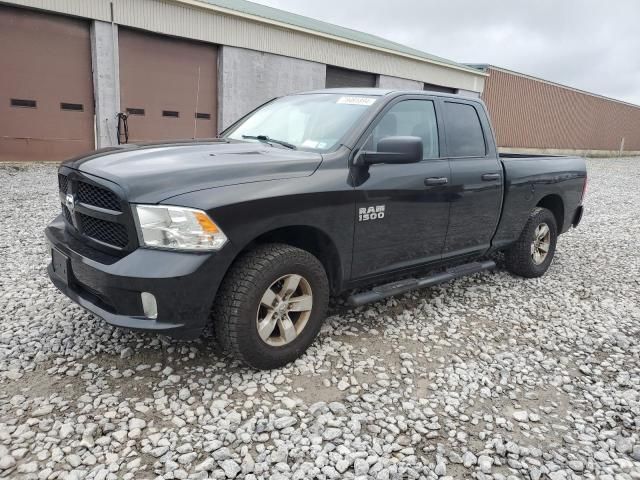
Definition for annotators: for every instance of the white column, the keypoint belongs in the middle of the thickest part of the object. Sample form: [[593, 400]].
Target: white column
[[106, 81]]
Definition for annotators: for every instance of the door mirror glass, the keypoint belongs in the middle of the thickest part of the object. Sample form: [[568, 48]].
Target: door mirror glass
[[395, 150]]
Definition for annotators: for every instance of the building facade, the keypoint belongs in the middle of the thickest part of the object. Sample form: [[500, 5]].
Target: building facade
[[72, 69], [531, 115]]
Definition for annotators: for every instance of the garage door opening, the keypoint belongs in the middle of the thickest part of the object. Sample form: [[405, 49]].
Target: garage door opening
[[439, 88], [168, 87], [46, 86], [342, 77]]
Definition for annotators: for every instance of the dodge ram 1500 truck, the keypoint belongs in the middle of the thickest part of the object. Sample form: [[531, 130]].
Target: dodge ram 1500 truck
[[309, 195]]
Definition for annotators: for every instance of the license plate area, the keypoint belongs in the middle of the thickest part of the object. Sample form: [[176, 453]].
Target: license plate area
[[61, 265]]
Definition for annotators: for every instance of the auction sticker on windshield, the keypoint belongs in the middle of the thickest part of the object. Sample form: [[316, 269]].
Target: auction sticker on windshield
[[356, 100]]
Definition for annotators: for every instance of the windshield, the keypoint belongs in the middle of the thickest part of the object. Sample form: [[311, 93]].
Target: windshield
[[314, 122]]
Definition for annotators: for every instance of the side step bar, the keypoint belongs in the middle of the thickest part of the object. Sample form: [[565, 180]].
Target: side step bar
[[403, 286]]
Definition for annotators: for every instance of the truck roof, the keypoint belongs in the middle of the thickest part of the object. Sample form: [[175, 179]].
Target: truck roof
[[379, 92]]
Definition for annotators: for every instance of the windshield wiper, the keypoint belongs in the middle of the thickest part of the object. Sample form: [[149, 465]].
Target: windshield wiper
[[265, 138]]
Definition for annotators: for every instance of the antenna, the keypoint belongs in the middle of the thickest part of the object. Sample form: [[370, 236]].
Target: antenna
[[195, 114]]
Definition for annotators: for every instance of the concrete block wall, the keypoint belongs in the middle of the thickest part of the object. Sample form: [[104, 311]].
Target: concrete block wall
[[248, 78], [396, 83], [468, 93], [106, 81]]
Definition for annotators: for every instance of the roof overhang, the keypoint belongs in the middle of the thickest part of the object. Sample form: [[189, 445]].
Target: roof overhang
[[256, 18]]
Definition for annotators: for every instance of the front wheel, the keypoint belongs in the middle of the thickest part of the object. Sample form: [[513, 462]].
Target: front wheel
[[533, 252], [271, 305]]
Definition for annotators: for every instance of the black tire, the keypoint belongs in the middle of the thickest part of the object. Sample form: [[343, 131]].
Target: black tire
[[239, 298], [519, 259]]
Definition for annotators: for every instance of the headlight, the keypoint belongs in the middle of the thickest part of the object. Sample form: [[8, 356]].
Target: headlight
[[178, 228]]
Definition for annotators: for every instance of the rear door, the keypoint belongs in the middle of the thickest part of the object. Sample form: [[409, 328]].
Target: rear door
[[476, 179], [401, 222]]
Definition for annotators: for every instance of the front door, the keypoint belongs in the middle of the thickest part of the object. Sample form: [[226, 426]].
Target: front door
[[402, 211]]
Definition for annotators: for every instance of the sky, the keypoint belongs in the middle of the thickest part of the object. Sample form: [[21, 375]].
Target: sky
[[593, 45]]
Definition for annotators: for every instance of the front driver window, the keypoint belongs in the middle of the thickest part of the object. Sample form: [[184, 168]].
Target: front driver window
[[415, 118]]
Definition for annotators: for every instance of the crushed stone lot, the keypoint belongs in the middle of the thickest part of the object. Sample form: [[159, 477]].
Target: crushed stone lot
[[490, 376]]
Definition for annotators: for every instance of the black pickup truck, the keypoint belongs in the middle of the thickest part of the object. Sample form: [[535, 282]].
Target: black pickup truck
[[307, 196]]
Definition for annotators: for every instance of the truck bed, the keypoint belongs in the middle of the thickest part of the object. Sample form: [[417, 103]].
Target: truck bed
[[525, 155], [558, 181]]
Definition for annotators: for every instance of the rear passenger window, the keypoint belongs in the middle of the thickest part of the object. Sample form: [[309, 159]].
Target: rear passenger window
[[463, 131], [415, 118]]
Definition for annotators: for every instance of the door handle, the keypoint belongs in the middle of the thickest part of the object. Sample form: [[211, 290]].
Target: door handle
[[430, 181], [489, 177]]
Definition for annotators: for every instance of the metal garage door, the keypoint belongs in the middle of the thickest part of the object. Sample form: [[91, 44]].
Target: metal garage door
[[341, 77], [168, 86], [46, 87], [438, 88]]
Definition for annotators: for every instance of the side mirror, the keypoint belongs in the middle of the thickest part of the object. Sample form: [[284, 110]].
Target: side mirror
[[395, 150]]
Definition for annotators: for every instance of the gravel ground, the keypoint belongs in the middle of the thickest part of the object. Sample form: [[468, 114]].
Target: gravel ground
[[491, 376]]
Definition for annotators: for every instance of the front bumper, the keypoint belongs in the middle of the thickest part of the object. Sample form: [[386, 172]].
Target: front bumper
[[184, 284]]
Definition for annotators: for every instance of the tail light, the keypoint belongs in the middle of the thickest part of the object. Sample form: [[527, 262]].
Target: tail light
[[584, 189]]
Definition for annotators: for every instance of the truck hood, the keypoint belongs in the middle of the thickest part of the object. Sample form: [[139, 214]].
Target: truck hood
[[154, 172]]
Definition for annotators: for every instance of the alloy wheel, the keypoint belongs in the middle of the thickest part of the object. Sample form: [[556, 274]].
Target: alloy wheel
[[284, 310], [541, 243]]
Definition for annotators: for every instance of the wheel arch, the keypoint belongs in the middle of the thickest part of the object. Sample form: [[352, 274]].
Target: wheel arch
[[311, 239], [555, 204]]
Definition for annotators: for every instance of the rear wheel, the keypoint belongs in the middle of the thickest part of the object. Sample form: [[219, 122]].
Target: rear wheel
[[271, 305], [533, 252]]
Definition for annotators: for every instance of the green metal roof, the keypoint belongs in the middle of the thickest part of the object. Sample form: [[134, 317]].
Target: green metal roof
[[300, 21]]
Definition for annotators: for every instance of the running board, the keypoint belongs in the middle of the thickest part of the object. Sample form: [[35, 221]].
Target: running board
[[403, 286]]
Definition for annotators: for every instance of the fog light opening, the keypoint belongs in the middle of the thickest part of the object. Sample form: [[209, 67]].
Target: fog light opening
[[149, 305]]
